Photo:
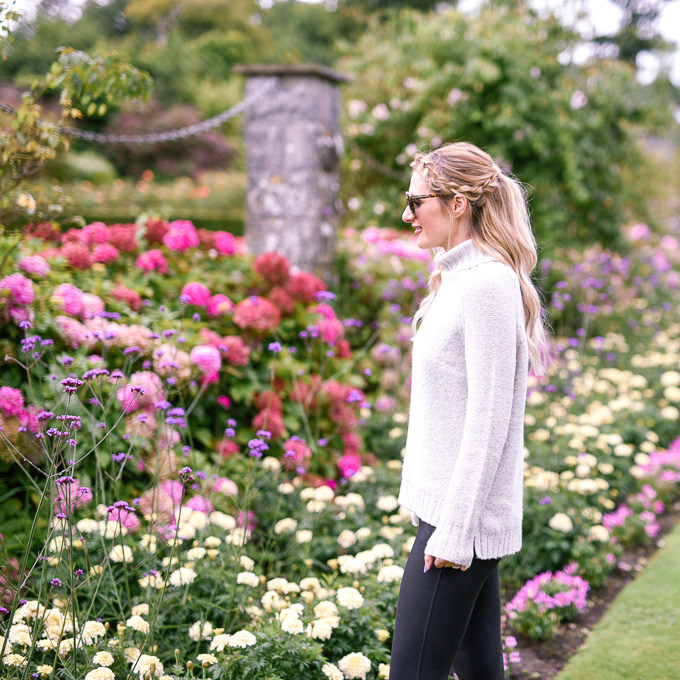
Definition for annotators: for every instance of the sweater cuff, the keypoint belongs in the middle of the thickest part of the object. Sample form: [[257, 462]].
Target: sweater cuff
[[454, 545]]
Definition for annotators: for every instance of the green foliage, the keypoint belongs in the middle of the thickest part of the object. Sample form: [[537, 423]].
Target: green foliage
[[497, 80]]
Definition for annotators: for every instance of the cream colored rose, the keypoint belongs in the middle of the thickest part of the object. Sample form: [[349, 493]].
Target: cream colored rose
[[350, 598], [355, 665], [561, 522]]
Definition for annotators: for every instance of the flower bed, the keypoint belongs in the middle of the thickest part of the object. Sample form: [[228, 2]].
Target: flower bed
[[207, 454]]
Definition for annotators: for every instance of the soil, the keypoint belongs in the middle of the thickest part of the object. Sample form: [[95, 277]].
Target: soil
[[543, 660]]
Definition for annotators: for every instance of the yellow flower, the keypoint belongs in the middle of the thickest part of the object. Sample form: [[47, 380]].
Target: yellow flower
[[138, 623], [382, 634], [206, 660], [103, 659], [355, 665]]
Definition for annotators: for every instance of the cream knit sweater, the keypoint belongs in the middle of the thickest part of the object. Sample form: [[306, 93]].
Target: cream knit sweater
[[463, 464]]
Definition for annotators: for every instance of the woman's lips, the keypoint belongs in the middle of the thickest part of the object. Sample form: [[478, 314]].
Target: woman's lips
[[418, 230]]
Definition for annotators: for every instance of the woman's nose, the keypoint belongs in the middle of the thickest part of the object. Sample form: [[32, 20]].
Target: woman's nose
[[407, 215]]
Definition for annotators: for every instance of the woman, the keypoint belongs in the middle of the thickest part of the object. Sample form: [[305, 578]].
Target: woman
[[463, 465]]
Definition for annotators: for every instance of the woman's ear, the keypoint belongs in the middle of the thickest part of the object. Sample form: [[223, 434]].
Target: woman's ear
[[460, 204]]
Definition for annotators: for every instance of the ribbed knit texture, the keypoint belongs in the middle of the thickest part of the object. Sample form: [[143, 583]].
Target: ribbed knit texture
[[463, 464]]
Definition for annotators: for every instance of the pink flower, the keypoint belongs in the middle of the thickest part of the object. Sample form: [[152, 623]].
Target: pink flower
[[11, 401], [92, 306], [174, 489], [257, 313], [237, 352], [637, 232], [68, 298], [105, 253], [225, 243], [225, 486], [34, 264], [207, 358], [70, 497], [199, 294], [272, 267], [296, 453], [126, 517], [330, 328], [152, 385], [78, 255], [16, 289], [95, 233], [250, 518], [219, 304], [303, 286], [199, 504], [349, 465], [181, 235], [153, 260], [131, 297], [224, 401]]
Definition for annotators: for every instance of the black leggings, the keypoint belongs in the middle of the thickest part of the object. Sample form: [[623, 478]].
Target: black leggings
[[447, 618]]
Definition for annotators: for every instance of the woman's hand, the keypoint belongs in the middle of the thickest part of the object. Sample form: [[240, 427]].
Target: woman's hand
[[430, 559]]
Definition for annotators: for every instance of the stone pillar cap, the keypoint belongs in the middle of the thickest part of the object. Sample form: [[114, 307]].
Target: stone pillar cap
[[317, 70]]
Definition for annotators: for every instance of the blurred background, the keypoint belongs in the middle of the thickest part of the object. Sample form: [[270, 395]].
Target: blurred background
[[580, 99]]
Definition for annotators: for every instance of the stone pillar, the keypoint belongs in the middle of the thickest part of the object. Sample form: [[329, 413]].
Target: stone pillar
[[293, 146]]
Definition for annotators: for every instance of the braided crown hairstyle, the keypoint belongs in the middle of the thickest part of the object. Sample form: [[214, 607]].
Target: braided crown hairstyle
[[500, 226]]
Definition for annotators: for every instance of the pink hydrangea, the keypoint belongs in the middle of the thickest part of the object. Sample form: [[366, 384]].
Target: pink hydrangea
[[34, 264], [16, 289], [93, 306], [330, 327], [70, 497], [237, 352], [207, 358], [225, 486], [225, 243], [74, 332], [152, 385], [219, 304], [199, 504], [105, 253], [11, 401], [296, 453], [199, 294], [95, 233], [153, 260], [181, 235], [127, 518], [257, 313], [174, 489], [272, 267], [68, 298]]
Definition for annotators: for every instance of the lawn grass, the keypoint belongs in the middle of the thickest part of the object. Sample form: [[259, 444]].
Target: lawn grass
[[638, 638]]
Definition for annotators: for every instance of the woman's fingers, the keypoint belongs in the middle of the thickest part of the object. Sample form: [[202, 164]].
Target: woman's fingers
[[439, 563]]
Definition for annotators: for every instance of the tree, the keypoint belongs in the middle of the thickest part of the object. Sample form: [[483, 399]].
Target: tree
[[637, 32], [495, 80]]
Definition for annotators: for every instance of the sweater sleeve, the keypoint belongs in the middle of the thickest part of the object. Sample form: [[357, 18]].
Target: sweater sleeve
[[490, 332]]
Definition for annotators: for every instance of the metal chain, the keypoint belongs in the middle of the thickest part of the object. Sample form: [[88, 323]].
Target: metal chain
[[170, 135]]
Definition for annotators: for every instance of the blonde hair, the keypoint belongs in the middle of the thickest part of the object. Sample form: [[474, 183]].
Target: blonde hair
[[500, 227]]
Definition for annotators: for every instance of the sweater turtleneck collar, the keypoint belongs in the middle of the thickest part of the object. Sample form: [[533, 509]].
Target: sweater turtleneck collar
[[462, 256]]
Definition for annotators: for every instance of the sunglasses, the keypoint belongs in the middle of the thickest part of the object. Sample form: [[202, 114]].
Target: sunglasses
[[414, 201]]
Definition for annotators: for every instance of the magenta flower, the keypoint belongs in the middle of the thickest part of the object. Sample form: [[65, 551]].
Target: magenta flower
[[181, 235], [219, 304], [16, 289], [92, 306], [349, 465], [174, 489], [34, 264], [198, 293], [68, 298], [105, 253], [225, 243], [153, 260]]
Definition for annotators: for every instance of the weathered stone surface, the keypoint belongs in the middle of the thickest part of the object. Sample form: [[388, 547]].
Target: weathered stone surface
[[293, 148]]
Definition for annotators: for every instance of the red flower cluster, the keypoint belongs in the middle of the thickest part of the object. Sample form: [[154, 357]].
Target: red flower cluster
[[270, 417], [47, 231], [77, 254], [156, 230], [257, 314], [272, 267], [282, 300], [123, 237], [232, 348], [303, 286], [129, 296]]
